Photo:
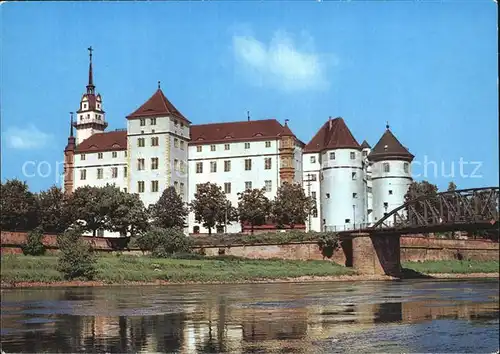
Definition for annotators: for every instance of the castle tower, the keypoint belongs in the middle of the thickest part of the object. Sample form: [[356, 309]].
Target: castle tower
[[367, 179], [391, 174], [90, 116], [341, 186], [287, 147], [69, 159]]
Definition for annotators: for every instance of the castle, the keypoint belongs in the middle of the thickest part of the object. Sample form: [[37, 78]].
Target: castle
[[353, 185]]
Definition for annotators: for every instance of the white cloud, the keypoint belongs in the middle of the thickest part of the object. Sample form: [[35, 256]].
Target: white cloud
[[26, 138], [280, 63]]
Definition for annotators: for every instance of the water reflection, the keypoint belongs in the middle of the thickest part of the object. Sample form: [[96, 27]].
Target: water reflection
[[278, 318]]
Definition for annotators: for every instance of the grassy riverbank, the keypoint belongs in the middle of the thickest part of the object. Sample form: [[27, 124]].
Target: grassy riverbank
[[453, 267], [120, 269]]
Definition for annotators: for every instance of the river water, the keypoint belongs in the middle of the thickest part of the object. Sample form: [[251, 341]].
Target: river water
[[336, 317]]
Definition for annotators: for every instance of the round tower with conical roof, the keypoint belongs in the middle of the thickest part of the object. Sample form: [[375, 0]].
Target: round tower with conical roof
[[391, 174]]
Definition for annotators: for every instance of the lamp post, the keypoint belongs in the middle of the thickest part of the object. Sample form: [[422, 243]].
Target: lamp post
[[354, 215], [225, 218]]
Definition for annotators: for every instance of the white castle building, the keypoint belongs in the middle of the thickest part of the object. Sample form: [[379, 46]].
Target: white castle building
[[353, 185]]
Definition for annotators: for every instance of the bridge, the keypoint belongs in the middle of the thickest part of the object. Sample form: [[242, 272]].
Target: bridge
[[376, 249]]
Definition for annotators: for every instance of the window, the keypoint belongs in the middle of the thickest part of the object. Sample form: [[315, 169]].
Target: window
[[267, 163], [183, 166], [153, 121], [182, 125], [99, 155], [198, 148], [369, 189], [332, 156], [313, 159], [154, 186], [405, 167], [181, 189], [176, 122], [227, 187], [248, 185], [227, 146], [182, 144], [99, 173], [114, 172], [88, 116], [353, 176], [176, 142], [140, 186], [227, 165], [154, 141], [353, 155], [114, 154], [268, 144], [140, 164], [390, 191], [386, 167], [199, 167], [365, 153], [312, 178], [83, 175], [140, 142], [154, 163], [213, 166], [247, 145], [125, 172], [347, 221], [84, 105], [125, 189], [82, 157], [315, 212], [386, 205], [176, 165], [328, 195], [142, 122], [212, 147], [355, 195], [268, 185], [313, 195], [176, 187], [248, 164], [125, 153]]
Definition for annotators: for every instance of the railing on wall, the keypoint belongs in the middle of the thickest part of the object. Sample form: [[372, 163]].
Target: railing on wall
[[346, 227]]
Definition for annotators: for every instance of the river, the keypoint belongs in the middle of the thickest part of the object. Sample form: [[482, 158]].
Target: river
[[417, 316]]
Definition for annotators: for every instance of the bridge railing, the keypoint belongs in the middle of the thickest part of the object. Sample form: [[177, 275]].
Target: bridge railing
[[346, 227]]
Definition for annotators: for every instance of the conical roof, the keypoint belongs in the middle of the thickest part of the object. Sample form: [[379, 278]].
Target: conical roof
[[334, 134], [389, 148], [157, 106], [365, 145]]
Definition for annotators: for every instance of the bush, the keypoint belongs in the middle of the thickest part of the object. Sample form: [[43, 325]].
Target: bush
[[77, 260], [328, 243], [164, 242], [34, 245]]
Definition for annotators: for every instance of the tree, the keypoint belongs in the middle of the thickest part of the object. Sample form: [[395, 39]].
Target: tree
[[52, 210], [76, 258], [169, 211], [18, 206], [253, 207], [91, 207], [452, 187], [128, 215], [164, 242], [210, 206], [291, 205], [419, 189], [34, 245]]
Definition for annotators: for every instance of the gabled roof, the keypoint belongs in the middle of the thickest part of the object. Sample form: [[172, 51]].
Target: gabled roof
[[100, 142], [157, 106], [334, 134], [237, 131], [389, 148], [365, 145]]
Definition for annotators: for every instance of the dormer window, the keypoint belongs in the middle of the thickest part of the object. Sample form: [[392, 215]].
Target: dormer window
[[84, 106]]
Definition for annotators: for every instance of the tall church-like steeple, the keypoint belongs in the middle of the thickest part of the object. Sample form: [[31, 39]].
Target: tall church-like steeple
[[90, 115]]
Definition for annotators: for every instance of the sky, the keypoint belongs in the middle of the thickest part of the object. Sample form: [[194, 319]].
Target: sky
[[427, 68]]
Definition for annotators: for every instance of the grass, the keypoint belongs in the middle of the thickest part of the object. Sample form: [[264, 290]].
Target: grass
[[453, 266], [118, 269]]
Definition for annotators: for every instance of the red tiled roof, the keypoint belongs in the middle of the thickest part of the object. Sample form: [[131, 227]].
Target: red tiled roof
[[99, 142], [389, 147], [156, 106], [334, 134], [237, 131]]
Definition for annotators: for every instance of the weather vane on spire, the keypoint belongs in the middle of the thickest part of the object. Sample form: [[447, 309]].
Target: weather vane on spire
[[159, 84], [387, 124], [90, 52]]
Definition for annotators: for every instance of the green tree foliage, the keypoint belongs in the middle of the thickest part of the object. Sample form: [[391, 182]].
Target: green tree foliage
[[163, 242], [419, 189], [34, 245], [253, 207], [53, 211], [452, 186], [18, 206], [211, 207], [291, 206], [76, 258], [126, 214], [169, 211]]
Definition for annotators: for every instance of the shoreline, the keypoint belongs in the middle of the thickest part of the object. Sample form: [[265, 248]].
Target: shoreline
[[303, 279]]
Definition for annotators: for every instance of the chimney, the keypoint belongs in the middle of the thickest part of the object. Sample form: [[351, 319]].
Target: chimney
[[248, 116]]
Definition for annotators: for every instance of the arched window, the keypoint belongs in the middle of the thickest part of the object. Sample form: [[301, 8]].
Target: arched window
[[386, 167]]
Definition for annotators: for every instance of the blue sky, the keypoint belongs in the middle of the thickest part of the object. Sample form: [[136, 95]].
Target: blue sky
[[430, 69]]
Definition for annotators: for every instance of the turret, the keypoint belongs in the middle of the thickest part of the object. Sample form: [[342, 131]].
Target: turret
[[287, 148], [69, 159], [391, 174]]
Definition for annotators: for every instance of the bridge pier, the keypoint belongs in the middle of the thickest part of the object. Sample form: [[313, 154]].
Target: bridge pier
[[376, 254]]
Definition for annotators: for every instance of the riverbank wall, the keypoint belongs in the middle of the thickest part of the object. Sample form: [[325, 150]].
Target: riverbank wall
[[413, 248]]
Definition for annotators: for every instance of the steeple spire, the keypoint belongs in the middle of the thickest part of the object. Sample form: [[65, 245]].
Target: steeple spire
[[90, 86], [71, 126]]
